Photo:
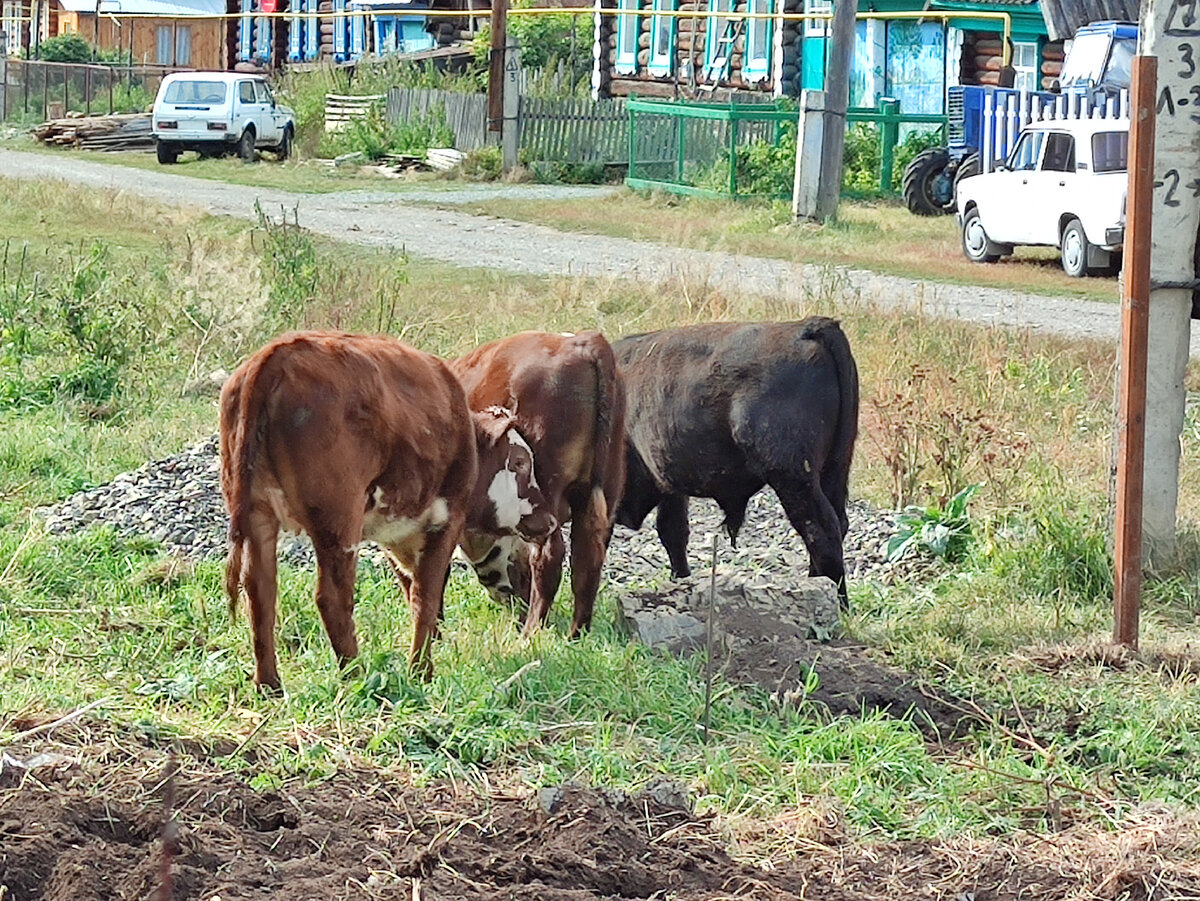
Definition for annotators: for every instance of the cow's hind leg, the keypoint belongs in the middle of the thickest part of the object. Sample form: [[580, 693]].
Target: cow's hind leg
[[258, 576], [426, 593], [546, 562], [811, 514], [671, 523], [337, 562], [589, 534]]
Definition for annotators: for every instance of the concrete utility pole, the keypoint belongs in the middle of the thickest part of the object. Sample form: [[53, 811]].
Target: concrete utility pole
[[821, 136], [1170, 31]]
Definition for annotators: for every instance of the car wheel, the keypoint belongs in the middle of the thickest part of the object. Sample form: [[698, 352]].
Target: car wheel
[[1075, 249], [977, 246], [245, 146], [284, 150], [927, 191], [166, 152]]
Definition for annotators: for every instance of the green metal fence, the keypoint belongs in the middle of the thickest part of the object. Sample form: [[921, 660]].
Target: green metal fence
[[737, 149]]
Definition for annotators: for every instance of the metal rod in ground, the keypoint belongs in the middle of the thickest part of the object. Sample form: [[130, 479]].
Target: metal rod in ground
[[170, 832], [708, 640]]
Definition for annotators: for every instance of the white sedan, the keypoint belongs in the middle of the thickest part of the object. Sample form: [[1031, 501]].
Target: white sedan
[[1062, 186]]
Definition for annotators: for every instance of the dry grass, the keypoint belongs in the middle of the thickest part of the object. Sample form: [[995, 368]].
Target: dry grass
[[882, 237]]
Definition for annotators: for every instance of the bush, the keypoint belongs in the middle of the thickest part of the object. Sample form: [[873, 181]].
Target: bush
[[862, 157], [483, 164], [555, 47], [66, 48], [375, 137]]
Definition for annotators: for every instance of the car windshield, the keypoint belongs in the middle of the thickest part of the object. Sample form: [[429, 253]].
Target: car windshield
[[1085, 62], [208, 92], [1110, 151]]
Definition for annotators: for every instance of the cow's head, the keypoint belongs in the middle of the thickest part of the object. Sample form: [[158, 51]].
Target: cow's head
[[502, 564], [507, 500]]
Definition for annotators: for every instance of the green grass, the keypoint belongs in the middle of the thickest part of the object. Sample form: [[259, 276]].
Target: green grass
[[1013, 628]]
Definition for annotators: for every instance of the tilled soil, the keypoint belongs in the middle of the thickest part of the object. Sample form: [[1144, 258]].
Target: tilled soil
[[82, 815]]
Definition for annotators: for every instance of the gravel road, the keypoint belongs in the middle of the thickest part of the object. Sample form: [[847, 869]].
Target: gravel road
[[396, 219]]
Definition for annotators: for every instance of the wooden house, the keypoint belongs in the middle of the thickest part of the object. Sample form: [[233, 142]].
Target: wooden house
[[912, 59], [180, 33]]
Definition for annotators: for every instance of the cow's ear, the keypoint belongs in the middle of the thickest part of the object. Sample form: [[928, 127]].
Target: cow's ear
[[492, 423]]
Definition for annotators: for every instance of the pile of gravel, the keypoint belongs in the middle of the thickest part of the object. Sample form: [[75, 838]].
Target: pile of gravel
[[177, 502]]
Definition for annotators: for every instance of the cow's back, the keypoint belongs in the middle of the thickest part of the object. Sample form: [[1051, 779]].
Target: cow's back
[[698, 396]]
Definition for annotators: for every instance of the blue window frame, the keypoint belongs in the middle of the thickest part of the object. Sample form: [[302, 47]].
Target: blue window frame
[[756, 65], [662, 39], [716, 47], [628, 27]]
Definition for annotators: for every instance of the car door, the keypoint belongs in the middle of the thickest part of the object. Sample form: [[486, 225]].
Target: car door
[[248, 109], [1003, 192], [1053, 188], [271, 131], [1020, 205]]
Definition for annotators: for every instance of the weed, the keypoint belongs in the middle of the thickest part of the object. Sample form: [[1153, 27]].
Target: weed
[[945, 532]]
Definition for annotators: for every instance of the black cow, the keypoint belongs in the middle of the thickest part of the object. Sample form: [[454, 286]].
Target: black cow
[[720, 410]]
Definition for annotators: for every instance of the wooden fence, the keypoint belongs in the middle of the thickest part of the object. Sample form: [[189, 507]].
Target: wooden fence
[[466, 114], [341, 109], [1005, 113], [568, 131]]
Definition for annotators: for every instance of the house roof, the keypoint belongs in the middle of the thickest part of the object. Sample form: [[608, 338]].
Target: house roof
[[1065, 17], [180, 8]]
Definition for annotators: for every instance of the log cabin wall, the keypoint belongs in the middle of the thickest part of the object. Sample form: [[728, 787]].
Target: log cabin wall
[[1053, 55], [981, 58], [687, 77]]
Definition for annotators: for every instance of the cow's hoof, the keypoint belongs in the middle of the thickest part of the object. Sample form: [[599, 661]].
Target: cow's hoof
[[273, 689]]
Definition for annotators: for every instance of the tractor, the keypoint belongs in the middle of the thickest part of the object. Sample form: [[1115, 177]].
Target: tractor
[[1097, 65]]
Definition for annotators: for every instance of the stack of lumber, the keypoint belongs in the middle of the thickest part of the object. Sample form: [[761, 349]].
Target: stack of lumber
[[124, 131]]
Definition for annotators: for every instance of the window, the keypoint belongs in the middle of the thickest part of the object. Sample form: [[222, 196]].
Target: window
[[757, 61], [718, 40], [1060, 153], [662, 39], [195, 92], [10, 25], [183, 45], [628, 26], [817, 28], [1025, 155], [1025, 65], [1110, 151], [263, 93], [163, 45], [246, 91]]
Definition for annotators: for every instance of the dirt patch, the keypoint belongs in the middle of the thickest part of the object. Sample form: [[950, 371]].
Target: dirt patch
[[84, 822], [775, 634]]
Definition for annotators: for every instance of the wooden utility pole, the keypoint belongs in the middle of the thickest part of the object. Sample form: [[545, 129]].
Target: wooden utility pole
[[1135, 321], [499, 35], [837, 99]]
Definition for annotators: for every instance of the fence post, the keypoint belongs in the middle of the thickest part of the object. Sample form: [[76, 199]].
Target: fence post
[[3, 88], [733, 135], [889, 134]]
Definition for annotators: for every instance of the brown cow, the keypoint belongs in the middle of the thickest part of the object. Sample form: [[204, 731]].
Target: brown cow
[[569, 403], [350, 437]]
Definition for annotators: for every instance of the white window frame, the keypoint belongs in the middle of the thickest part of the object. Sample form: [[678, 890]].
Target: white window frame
[[662, 63], [817, 28], [756, 63], [716, 28], [1027, 70], [629, 28], [10, 24]]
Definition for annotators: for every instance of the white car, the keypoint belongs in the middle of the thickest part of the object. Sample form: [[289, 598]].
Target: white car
[[217, 113], [1063, 186]]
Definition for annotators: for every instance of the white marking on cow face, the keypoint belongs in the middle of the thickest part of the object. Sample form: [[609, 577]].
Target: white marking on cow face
[[494, 566], [505, 490]]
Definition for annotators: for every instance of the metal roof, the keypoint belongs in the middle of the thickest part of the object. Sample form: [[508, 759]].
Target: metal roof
[[1065, 17], [173, 8]]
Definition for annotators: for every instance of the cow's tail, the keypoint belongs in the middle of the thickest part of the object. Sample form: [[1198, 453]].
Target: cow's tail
[[242, 404], [608, 459], [835, 475]]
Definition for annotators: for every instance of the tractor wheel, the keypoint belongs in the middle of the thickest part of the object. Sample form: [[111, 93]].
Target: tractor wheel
[[927, 191], [968, 167]]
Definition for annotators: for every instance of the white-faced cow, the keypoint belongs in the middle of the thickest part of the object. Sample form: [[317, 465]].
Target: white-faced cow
[[568, 402], [721, 410], [351, 437]]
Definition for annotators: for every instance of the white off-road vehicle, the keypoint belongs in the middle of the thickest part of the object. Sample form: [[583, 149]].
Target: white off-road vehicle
[[1063, 186], [216, 113]]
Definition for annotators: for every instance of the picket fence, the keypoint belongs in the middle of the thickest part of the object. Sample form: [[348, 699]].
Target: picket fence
[[567, 131], [1005, 114]]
